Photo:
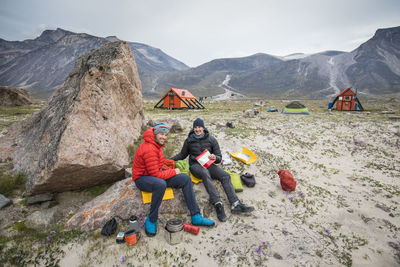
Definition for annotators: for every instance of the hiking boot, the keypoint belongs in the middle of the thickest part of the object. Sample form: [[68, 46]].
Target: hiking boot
[[199, 220], [219, 208], [238, 207], [150, 227]]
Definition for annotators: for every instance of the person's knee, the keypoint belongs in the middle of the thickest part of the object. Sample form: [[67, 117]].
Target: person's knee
[[202, 174], [160, 185], [225, 177], [184, 179]]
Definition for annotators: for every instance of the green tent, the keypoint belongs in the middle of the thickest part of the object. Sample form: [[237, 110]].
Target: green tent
[[295, 107]]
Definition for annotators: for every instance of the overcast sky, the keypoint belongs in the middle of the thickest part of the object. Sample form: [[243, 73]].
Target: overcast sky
[[197, 31]]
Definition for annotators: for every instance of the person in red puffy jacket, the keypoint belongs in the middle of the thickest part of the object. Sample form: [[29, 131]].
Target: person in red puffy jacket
[[150, 176]]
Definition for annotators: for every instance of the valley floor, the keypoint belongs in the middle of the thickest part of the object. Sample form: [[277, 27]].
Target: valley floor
[[344, 211]]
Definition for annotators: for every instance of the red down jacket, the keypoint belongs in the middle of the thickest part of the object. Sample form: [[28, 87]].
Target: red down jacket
[[149, 159]]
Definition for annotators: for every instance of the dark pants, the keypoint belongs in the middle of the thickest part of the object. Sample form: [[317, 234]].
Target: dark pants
[[158, 186], [215, 172]]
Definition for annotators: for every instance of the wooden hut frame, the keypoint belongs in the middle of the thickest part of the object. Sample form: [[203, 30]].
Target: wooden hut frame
[[347, 100], [176, 98]]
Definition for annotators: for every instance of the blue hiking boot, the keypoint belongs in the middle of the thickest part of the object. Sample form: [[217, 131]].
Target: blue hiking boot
[[150, 227], [199, 220]]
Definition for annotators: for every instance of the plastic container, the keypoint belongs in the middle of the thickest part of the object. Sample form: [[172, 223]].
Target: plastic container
[[191, 228], [133, 223]]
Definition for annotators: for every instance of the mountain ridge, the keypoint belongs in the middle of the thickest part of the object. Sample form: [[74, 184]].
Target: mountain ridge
[[373, 69], [41, 64]]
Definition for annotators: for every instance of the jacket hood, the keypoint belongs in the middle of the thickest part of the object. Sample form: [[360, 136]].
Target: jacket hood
[[149, 137]]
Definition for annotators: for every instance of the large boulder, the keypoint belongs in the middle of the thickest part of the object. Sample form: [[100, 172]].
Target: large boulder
[[80, 137], [122, 199], [10, 96]]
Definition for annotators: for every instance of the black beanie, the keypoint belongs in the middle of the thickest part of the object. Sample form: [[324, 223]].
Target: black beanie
[[198, 122]]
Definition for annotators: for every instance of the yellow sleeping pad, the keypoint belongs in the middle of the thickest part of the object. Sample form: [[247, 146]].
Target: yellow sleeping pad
[[246, 156], [195, 179], [169, 194]]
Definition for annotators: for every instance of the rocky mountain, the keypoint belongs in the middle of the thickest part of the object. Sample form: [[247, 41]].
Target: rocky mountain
[[209, 77], [10, 96], [42, 64], [373, 68]]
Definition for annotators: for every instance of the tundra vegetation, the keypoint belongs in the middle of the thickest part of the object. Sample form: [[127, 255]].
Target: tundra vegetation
[[344, 210]]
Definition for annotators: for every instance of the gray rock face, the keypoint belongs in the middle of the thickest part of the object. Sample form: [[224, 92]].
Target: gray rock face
[[40, 198], [4, 202], [80, 137], [10, 96], [43, 219], [122, 199]]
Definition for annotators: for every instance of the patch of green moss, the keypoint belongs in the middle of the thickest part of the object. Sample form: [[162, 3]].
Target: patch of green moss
[[9, 183], [98, 189], [29, 247]]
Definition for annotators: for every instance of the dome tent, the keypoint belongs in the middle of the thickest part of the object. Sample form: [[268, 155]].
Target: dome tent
[[295, 107]]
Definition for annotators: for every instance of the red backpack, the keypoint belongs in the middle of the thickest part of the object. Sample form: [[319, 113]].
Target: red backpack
[[288, 183]]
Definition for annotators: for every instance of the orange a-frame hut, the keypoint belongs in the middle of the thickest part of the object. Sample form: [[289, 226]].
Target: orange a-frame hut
[[347, 100], [178, 99]]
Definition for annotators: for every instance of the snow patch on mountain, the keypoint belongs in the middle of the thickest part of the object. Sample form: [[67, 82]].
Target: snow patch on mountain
[[392, 62], [229, 91], [145, 53], [294, 56]]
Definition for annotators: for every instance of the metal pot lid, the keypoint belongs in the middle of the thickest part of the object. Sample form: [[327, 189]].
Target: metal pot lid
[[174, 225]]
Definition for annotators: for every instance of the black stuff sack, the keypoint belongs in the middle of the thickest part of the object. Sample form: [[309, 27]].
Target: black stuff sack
[[248, 179], [110, 227]]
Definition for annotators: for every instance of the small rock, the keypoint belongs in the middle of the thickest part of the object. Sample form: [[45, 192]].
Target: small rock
[[48, 204], [128, 172], [350, 210], [176, 127], [277, 256], [382, 207], [394, 118], [249, 113], [4, 202], [42, 219], [229, 124], [40, 198]]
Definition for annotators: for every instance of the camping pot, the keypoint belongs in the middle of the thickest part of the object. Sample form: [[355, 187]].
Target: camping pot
[[131, 237], [173, 233]]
